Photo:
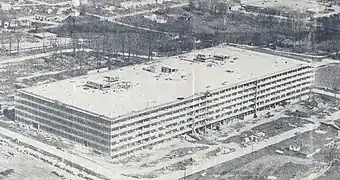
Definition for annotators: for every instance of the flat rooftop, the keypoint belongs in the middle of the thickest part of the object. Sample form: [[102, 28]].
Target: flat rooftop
[[138, 87], [45, 34], [294, 5]]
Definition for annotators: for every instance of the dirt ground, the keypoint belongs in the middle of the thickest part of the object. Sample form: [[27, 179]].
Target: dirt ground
[[267, 162], [328, 77], [270, 129]]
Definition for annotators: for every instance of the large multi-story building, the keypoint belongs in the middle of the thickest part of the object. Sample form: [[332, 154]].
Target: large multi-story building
[[131, 108]]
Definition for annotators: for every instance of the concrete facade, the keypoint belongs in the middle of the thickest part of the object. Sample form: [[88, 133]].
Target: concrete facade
[[140, 125], [140, 130]]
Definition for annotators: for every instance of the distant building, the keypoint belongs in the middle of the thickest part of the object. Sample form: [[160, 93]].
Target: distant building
[[45, 35], [79, 2], [215, 6], [6, 6]]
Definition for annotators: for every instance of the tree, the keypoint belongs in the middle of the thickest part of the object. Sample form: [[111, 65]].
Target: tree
[[18, 38], [10, 43], [97, 51], [335, 84], [9, 113], [332, 153]]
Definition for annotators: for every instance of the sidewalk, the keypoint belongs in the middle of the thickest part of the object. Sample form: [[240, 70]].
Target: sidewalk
[[327, 93], [86, 164], [239, 152], [40, 55], [34, 56], [176, 160]]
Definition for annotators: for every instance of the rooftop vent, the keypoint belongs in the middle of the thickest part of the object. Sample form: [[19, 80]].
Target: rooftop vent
[[200, 58], [94, 85], [168, 70], [111, 79], [220, 58], [150, 69]]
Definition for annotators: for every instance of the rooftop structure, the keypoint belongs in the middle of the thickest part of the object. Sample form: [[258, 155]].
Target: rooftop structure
[[45, 35], [79, 2], [139, 87]]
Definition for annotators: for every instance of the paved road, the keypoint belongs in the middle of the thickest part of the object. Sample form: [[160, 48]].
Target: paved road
[[145, 11], [25, 58], [50, 4], [90, 165], [129, 25], [327, 93], [113, 18]]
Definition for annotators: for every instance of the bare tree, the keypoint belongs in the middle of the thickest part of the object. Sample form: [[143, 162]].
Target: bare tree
[[18, 38], [97, 51], [332, 153], [10, 43], [335, 85]]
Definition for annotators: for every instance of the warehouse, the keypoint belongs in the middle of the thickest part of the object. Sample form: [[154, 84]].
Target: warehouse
[[120, 111]]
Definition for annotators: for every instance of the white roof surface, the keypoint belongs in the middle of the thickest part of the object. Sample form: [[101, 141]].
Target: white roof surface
[[150, 89], [301, 5]]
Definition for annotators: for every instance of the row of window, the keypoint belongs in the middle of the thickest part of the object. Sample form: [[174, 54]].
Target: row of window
[[174, 124], [216, 105], [63, 128], [67, 115], [284, 90], [73, 138], [283, 79], [181, 103], [58, 105], [54, 118], [202, 123], [285, 73], [279, 86], [186, 113], [192, 100], [185, 109]]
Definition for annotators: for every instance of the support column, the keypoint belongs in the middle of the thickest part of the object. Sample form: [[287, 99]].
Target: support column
[[255, 102]]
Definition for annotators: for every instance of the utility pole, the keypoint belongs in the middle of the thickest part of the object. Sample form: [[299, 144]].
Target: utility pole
[[185, 173], [123, 46], [97, 54], [72, 36], [194, 32], [44, 37], [10, 43], [18, 36]]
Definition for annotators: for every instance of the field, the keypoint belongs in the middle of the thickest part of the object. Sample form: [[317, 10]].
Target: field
[[270, 129]]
